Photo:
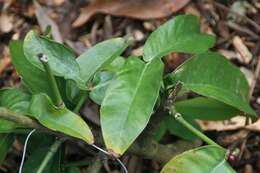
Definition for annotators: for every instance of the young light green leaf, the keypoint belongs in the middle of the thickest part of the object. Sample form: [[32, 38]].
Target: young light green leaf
[[205, 109], [15, 100], [181, 34], [101, 82], [129, 102], [179, 130], [207, 159], [212, 75], [34, 78], [61, 59], [99, 56], [59, 119], [6, 141]]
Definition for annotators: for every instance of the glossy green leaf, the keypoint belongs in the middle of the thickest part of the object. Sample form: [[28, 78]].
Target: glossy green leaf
[[181, 34], [179, 130], [129, 102], [61, 59], [34, 78], [205, 109], [101, 82], [6, 141], [59, 119], [16, 101], [207, 159], [212, 75], [99, 56]]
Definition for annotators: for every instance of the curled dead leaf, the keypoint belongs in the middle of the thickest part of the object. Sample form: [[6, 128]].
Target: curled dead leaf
[[140, 9]]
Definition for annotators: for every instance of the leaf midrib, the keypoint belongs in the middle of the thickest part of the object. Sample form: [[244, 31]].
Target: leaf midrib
[[135, 93]]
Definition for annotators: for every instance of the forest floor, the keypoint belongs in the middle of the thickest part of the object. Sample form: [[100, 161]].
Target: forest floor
[[81, 24]]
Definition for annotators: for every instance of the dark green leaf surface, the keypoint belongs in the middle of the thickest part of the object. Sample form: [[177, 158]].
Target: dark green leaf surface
[[179, 130], [181, 34], [16, 101], [99, 56], [129, 102], [212, 75], [72, 170], [101, 82], [62, 119], [36, 157], [207, 159], [34, 78], [61, 59], [6, 141], [205, 109]]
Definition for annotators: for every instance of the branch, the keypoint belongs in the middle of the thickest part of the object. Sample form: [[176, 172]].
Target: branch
[[19, 119]]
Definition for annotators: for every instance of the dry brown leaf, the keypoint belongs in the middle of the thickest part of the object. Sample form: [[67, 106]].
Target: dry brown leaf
[[242, 49], [5, 62], [44, 20], [232, 124], [140, 9], [6, 23]]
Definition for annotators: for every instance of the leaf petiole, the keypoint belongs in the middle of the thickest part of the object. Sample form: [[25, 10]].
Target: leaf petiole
[[206, 139], [53, 84]]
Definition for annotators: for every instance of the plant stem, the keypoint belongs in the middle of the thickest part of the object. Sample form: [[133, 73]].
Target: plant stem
[[53, 84], [19, 119], [80, 103], [53, 149], [206, 139]]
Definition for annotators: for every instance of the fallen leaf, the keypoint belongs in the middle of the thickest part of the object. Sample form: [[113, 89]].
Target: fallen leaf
[[44, 20], [232, 124], [6, 23], [5, 62], [242, 49], [140, 9]]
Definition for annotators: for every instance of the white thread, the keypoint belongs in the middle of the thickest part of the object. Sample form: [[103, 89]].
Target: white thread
[[122, 165], [107, 153], [24, 150], [100, 149]]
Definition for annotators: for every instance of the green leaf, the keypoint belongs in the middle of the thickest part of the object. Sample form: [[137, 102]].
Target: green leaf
[[101, 82], [115, 65], [99, 56], [73, 93], [207, 159], [205, 109], [212, 75], [59, 119], [179, 130], [129, 102], [36, 157], [15, 100], [6, 141], [34, 78], [61, 59], [181, 34], [72, 170], [159, 133]]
